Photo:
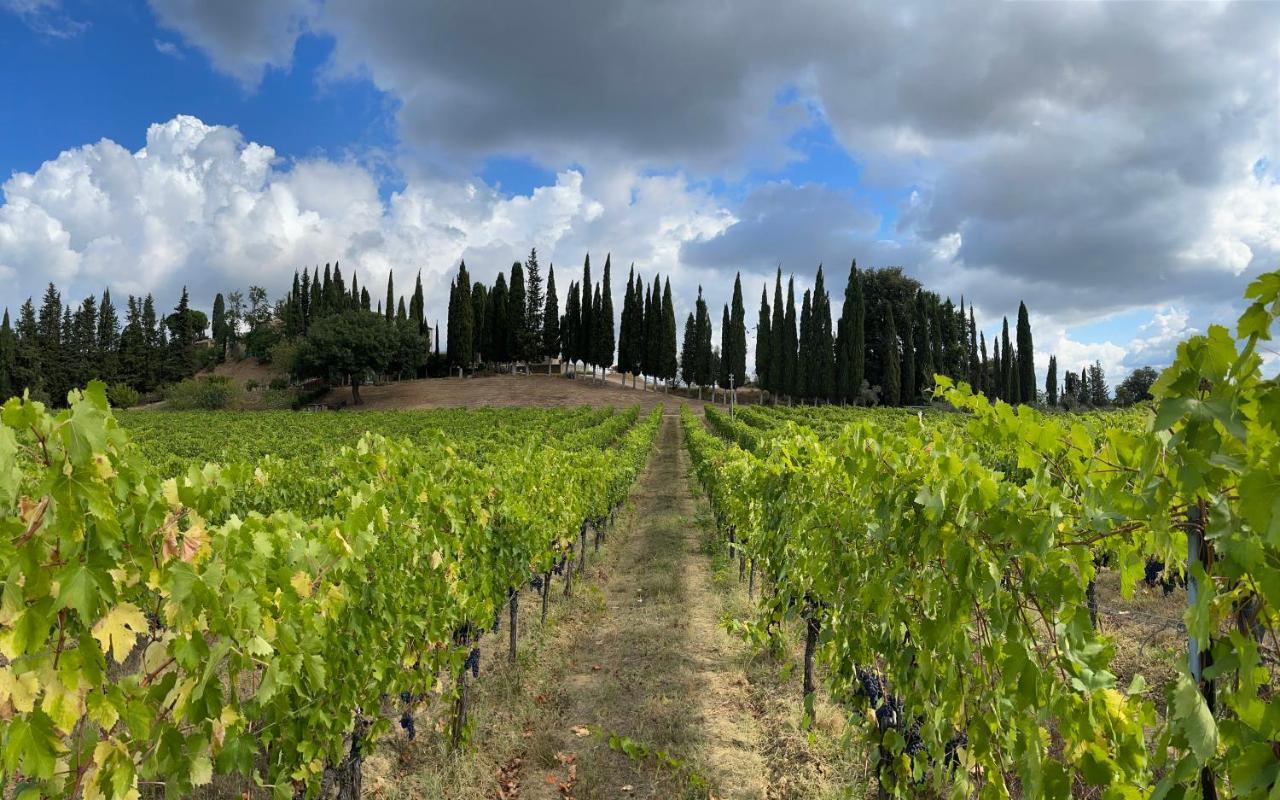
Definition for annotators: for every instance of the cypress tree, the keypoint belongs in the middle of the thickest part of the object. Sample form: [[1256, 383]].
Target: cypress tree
[[763, 340], [892, 390], [997, 375], [702, 343], [417, 306], [924, 365], [857, 336], [667, 360], [108, 339], [726, 349], [984, 366], [653, 329], [551, 317], [1051, 382], [49, 344], [517, 337], [804, 359], [499, 330], [689, 352], [1099, 392], [461, 336], [1026, 356], [1006, 364], [823, 370], [625, 326], [8, 382], [605, 339], [597, 312], [572, 321], [390, 306], [364, 298], [737, 355], [586, 326], [778, 342], [304, 308], [789, 354], [975, 366], [909, 375]]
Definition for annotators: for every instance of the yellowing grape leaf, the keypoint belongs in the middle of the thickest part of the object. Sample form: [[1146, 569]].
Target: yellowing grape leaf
[[21, 690], [301, 583], [118, 631]]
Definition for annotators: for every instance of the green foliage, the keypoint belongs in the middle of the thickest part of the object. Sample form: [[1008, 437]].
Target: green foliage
[[950, 554], [122, 395], [203, 393]]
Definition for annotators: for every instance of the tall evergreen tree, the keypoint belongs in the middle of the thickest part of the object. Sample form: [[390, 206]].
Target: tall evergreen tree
[[726, 349], [737, 339], [518, 338], [702, 353], [667, 361], [926, 370], [49, 343], [571, 323], [417, 306], [805, 351], [605, 338], [534, 304], [975, 364], [689, 352], [626, 329], [1051, 382], [778, 342], [891, 392], [551, 317], [984, 367], [997, 372], [1026, 357], [909, 374], [822, 371], [653, 329], [586, 325], [763, 340], [460, 340], [790, 354], [8, 356], [1099, 392], [1006, 364], [108, 339], [481, 323], [27, 370], [390, 306], [498, 321]]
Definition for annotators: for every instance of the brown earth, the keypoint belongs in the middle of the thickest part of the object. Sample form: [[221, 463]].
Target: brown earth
[[506, 390]]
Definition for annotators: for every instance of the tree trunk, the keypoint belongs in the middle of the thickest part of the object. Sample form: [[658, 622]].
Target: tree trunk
[[355, 391], [546, 593], [751, 581], [347, 775], [515, 614], [582, 560], [810, 646]]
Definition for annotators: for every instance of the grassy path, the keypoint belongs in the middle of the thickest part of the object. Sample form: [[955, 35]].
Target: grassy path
[[637, 654], [655, 666]]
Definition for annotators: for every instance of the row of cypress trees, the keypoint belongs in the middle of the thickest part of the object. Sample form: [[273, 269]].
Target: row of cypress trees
[[50, 351], [512, 320], [891, 338]]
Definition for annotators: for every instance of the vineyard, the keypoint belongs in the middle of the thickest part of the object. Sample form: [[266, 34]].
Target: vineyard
[[268, 595], [166, 618], [944, 568]]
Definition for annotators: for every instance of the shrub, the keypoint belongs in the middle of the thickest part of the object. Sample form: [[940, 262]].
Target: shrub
[[205, 393], [250, 385], [278, 385], [121, 395]]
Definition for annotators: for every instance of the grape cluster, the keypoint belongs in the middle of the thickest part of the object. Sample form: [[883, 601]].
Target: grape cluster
[[406, 722], [1155, 572], [473, 662], [872, 688], [497, 621], [559, 568], [536, 582]]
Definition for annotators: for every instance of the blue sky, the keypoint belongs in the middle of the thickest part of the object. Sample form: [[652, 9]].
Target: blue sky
[[958, 143]]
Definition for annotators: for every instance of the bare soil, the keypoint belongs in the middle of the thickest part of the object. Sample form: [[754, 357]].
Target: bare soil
[[545, 391]]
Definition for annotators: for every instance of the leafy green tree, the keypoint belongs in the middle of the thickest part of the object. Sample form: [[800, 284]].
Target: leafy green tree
[[352, 345]]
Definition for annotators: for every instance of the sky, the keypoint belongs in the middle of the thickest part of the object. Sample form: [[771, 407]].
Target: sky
[[1114, 165]]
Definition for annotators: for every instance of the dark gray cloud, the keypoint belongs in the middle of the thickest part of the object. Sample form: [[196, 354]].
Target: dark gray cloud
[[1088, 157]]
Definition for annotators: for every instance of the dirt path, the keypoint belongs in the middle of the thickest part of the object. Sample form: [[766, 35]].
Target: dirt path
[[654, 667]]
